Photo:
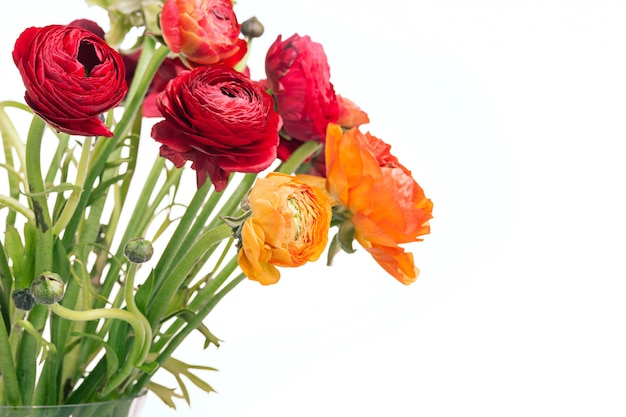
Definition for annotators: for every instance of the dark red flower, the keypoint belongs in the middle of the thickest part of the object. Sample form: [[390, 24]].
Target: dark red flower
[[71, 76], [220, 120]]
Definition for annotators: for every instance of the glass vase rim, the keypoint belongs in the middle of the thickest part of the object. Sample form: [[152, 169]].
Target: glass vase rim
[[142, 394]]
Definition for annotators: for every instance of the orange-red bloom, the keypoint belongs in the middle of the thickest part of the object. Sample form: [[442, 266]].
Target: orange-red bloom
[[288, 226], [205, 32], [387, 206]]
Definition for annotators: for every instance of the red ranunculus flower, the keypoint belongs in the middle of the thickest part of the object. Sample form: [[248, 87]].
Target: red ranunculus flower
[[71, 76], [299, 78], [204, 32], [220, 120]]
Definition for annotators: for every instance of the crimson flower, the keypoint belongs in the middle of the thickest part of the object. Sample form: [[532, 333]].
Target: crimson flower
[[220, 120], [71, 76]]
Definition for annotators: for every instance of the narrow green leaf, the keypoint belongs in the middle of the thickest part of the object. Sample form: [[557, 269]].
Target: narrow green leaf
[[165, 394], [15, 251], [56, 189], [143, 293], [113, 361]]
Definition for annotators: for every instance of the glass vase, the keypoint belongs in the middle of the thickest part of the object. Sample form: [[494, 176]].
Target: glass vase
[[125, 407]]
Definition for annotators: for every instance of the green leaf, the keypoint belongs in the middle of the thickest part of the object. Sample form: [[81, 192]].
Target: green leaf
[[149, 367], [56, 189], [179, 368], [113, 362], [165, 394], [15, 252], [45, 348], [209, 337], [142, 296]]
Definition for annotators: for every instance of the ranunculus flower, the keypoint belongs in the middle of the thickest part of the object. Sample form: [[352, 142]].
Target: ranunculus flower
[[288, 226], [71, 76], [220, 120], [299, 78], [204, 32], [387, 207]]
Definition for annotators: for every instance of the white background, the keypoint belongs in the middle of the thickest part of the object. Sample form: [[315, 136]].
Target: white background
[[511, 115]]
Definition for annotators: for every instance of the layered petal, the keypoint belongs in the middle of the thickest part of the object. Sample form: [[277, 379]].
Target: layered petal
[[220, 120], [204, 32], [288, 226], [71, 76], [387, 206]]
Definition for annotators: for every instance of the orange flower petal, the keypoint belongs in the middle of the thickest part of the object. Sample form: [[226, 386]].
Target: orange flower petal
[[388, 207], [288, 226]]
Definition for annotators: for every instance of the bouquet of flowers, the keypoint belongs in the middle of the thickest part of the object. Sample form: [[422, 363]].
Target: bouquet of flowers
[[99, 284]]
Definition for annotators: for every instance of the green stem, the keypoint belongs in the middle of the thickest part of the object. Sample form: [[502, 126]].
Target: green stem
[[134, 357], [203, 296], [299, 156], [133, 105], [26, 362], [15, 205], [8, 131], [176, 241], [191, 326], [72, 202], [129, 297], [7, 370], [33, 174], [166, 289]]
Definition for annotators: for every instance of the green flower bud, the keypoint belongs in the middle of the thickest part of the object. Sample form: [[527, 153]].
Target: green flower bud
[[252, 28], [47, 288], [23, 299], [138, 250]]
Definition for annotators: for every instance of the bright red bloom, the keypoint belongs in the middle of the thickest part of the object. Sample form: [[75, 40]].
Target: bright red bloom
[[387, 207], [220, 120], [299, 78], [204, 32], [71, 76]]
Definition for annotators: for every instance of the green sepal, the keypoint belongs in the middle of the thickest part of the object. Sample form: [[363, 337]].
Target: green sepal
[[345, 236]]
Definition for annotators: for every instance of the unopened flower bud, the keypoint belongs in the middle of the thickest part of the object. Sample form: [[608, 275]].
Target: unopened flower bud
[[23, 299], [138, 250], [47, 288], [252, 28]]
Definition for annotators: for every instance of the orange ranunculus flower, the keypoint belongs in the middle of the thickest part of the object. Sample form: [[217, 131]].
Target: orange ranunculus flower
[[204, 32], [387, 207], [288, 226]]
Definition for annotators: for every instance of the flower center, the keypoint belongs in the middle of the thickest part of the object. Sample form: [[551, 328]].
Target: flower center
[[87, 56], [297, 219]]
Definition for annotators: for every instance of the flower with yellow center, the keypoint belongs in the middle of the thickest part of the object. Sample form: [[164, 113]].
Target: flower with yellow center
[[288, 226]]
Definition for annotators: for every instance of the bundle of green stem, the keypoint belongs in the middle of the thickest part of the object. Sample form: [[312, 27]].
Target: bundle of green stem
[[108, 335]]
